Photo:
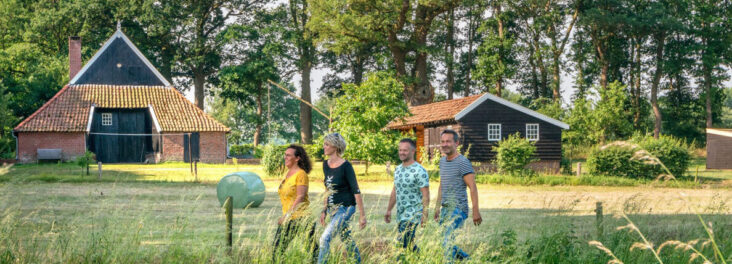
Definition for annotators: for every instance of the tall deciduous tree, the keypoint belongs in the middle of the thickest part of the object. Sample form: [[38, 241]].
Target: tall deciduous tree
[[401, 25], [497, 54]]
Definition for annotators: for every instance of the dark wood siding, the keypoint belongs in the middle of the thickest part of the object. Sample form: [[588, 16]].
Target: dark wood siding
[[719, 150], [119, 65], [111, 148], [474, 130]]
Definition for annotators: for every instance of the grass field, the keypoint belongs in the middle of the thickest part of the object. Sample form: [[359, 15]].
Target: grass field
[[155, 213]]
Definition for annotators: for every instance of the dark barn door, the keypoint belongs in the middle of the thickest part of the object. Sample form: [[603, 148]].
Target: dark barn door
[[191, 146], [116, 135]]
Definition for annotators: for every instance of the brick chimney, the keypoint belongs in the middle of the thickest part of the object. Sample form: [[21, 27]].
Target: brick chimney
[[74, 56]]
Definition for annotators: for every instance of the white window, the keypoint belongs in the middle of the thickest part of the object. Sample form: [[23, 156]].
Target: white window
[[106, 119], [532, 132], [494, 132]]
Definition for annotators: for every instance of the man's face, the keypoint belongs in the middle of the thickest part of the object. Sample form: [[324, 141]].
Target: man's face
[[447, 144], [406, 151]]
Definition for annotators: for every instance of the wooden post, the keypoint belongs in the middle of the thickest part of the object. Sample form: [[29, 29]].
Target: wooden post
[[195, 170], [99, 165], [579, 169], [598, 219], [229, 209]]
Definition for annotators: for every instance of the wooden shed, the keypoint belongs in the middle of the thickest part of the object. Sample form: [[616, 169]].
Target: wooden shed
[[719, 148], [482, 121]]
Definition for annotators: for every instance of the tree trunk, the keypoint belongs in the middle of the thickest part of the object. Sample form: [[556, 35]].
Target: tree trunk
[[198, 84], [708, 90], [306, 113], [660, 40], [637, 85], [468, 81], [422, 92], [555, 78], [258, 131], [499, 81], [450, 50], [357, 68]]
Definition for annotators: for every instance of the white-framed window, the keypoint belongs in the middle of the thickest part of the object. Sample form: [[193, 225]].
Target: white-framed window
[[532, 132], [106, 119], [494, 132]]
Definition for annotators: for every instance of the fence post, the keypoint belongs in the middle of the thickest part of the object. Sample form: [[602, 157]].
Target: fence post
[[99, 164], [598, 219], [579, 169], [195, 170], [229, 208]]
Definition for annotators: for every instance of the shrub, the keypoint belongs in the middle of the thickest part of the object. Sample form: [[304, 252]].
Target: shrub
[[273, 160], [674, 153], [622, 158], [83, 161], [245, 150], [513, 154], [315, 150]]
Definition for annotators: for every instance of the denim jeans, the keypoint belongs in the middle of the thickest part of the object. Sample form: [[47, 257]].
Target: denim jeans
[[406, 235], [452, 218], [338, 225]]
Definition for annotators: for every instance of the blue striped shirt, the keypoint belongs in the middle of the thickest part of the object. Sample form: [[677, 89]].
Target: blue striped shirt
[[452, 185]]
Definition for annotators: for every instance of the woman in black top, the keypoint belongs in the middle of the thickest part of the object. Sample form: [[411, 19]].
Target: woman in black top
[[344, 197]]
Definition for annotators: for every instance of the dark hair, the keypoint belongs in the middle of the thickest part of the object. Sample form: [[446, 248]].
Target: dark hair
[[304, 162], [410, 141], [454, 134]]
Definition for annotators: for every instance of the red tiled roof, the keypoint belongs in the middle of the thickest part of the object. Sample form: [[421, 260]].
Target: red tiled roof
[[68, 110], [443, 111]]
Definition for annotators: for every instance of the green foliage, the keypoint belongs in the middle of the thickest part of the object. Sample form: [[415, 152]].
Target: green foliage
[[513, 154], [315, 150], [604, 121], [628, 159], [245, 150], [85, 160], [362, 113], [273, 160], [674, 153]]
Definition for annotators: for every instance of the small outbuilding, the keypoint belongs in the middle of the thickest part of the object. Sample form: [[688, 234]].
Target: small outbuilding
[[482, 121], [121, 108], [719, 148]]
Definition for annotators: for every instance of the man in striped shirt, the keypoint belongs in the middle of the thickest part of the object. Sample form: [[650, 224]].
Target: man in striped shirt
[[456, 174]]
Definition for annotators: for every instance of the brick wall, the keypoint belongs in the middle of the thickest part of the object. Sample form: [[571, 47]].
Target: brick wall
[[71, 144], [212, 147]]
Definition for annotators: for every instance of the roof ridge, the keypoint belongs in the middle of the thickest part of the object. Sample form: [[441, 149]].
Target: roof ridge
[[451, 100], [44, 106]]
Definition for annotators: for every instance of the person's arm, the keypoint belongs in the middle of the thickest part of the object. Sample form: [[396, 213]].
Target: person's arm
[[351, 179], [392, 202], [438, 202], [425, 204], [470, 182], [325, 197], [302, 191]]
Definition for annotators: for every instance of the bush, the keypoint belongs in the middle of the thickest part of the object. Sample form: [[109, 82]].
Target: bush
[[273, 160], [315, 150], [513, 154], [246, 151], [674, 153], [83, 161], [624, 159]]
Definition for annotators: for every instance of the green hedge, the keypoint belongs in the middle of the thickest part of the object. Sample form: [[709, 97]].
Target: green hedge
[[273, 160], [637, 158], [246, 150]]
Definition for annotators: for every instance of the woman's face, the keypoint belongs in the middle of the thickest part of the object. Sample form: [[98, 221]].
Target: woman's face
[[328, 149], [290, 159]]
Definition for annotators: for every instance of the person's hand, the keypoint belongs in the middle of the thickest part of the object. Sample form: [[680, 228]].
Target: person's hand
[[477, 219], [362, 221], [437, 214], [387, 217], [322, 218]]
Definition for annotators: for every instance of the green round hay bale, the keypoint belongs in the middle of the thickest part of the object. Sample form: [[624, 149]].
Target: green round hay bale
[[246, 188]]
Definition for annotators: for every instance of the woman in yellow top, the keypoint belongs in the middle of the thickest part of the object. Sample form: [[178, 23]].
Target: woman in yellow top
[[293, 193]]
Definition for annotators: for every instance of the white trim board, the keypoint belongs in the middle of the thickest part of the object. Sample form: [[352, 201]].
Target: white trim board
[[91, 117], [154, 118], [120, 34], [719, 132], [514, 106]]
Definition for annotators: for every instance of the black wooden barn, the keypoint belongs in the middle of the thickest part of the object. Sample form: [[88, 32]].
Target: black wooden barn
[[482, 121]]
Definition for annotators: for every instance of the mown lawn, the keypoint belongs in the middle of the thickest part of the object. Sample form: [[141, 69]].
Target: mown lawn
[[155, 213]]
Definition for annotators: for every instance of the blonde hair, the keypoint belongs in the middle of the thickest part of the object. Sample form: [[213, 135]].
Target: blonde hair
[[337, 141]]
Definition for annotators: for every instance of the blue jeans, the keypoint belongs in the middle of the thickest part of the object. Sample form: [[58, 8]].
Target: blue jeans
[[452, 218], [406, 235], [338, 225]]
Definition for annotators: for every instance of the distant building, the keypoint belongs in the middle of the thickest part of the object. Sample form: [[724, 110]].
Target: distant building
[[719, 148], [482, 121], [122, 109]]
